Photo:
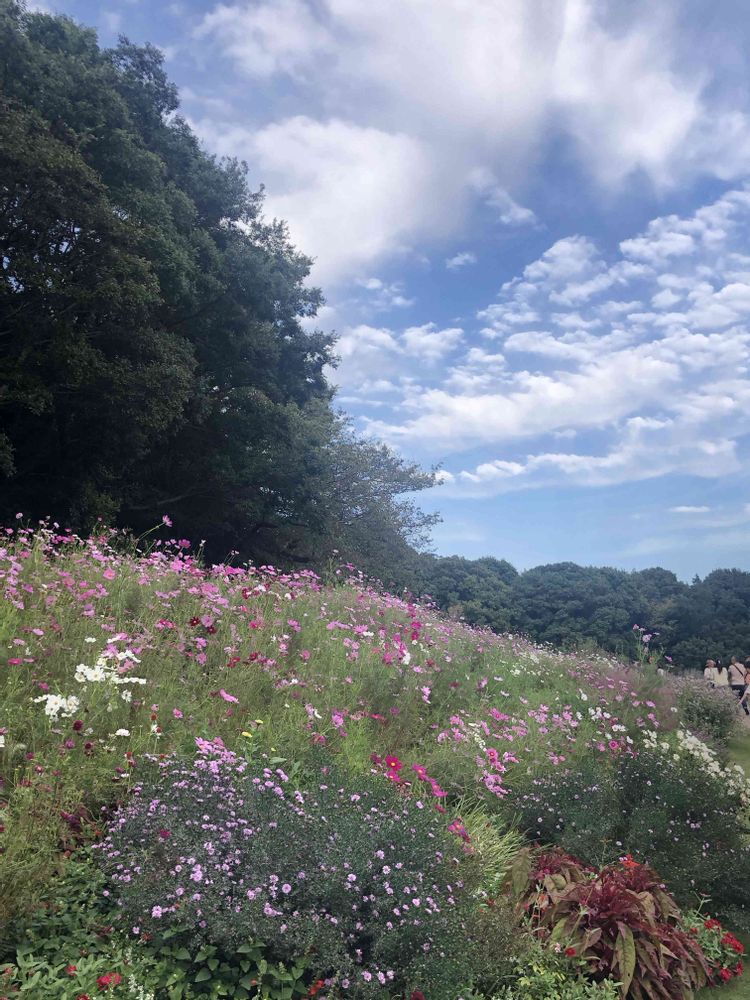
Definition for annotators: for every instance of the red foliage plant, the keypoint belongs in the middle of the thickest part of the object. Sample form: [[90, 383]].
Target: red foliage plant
[[620, 920]]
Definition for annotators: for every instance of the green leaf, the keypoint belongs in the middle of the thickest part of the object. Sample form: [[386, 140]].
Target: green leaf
[[625, 954], [203, 976], [520, 872]]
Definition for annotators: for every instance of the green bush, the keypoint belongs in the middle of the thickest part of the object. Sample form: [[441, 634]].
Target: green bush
[[68, 947], [542, 974], [364, 882], [710, 713], [680, 812]]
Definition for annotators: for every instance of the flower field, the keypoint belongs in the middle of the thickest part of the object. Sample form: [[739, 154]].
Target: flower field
[[235, 781]]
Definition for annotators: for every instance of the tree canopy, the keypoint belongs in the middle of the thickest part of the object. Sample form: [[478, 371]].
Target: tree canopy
[[572, 606]]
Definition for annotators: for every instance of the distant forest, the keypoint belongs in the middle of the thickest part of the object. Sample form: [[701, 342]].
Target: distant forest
[[571, 606], [158, 354]]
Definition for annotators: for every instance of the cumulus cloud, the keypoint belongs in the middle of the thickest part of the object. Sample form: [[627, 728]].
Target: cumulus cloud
[[651, 391], [461, 259], [368, 355], [479, 92], [264, 39], [352, 194]]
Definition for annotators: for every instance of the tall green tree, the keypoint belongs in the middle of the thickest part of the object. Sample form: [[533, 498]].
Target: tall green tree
[[152, 351]]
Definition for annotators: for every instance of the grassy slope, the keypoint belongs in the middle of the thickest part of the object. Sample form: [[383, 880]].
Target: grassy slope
[[270, 662]]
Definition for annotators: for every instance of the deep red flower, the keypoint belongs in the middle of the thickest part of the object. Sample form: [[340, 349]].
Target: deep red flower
[[71, 970], [725, 974], [165, 834], [108, 980], [570, 952], [417, 995], [78, 725]]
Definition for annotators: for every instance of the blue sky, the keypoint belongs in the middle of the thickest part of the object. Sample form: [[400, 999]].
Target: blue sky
[[530, 219]]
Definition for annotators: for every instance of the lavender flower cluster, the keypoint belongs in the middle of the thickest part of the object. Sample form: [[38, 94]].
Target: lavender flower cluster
[[364, 882]]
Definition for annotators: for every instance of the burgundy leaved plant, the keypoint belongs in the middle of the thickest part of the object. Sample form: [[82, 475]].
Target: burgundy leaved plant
[[620, 921]]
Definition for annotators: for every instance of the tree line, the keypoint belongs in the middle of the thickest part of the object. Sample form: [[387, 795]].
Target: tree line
[[158, 354], [573, 606]]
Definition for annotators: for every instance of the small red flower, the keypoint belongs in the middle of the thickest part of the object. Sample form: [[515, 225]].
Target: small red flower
[[725, 974], [78, 725], [417, 995], [570, 952], [165, 834], [71, 970], [108, 980]]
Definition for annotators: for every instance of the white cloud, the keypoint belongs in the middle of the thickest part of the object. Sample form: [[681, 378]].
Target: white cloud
[[479, 91], [264, 39], [352, 194], [462, 259], [687, 509], [429, 342], [508, 210], [646, 392], [371, 356], [384, 295]]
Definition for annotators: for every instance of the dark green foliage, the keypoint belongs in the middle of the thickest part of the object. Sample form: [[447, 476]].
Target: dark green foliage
[[364, 884], [653, 806], [709, 713], [71, 941], [572, 606]]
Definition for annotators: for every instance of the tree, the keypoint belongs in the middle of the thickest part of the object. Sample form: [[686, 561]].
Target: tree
[[152, 353]]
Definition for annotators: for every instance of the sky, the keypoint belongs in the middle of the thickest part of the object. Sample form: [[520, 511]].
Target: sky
[[530, 220]]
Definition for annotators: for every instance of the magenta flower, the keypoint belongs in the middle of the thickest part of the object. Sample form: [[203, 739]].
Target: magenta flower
[[228, 697]]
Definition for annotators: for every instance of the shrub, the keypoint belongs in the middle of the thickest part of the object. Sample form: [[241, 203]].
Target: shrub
[[365, 883], [542, 974], [710, 713], [722, 949], [68, 947], [668, 801], [619, 920]]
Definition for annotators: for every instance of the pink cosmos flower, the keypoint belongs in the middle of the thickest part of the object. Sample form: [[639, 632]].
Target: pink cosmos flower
[[228, 697]]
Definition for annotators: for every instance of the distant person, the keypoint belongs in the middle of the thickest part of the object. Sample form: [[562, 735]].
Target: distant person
[[709, 672], [722, 675], [738, 681]]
